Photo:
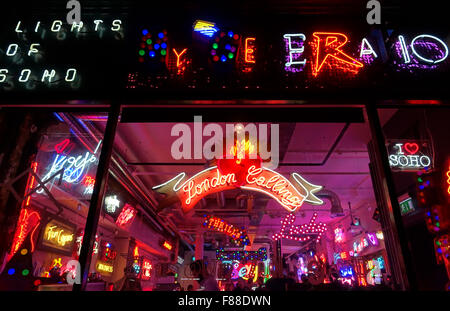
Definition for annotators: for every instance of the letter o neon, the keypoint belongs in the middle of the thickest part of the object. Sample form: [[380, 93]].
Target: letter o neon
[[426, 59]]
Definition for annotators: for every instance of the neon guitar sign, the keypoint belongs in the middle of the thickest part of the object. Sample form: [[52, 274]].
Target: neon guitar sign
[[245, 174]]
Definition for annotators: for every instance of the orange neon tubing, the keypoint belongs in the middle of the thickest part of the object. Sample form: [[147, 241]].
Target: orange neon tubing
[[248, 50], [179, 55], [448, 180], [327, 43]]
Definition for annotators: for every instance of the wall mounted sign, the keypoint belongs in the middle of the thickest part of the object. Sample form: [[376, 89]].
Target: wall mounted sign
[[30, 46], [291, 194], [370, 239], [126, 216], [146, 269], [104, 268], [300, 233], [220, 225], [59, 236], [112, 204], [79, 241], [409, 155]]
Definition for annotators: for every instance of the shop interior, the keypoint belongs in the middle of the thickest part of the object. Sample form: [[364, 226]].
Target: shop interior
[[145, 243]]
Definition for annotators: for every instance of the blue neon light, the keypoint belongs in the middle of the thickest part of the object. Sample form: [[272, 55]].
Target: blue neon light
[[163, 45], [160, 35], [145, 32], [156, 46], [151, 53]]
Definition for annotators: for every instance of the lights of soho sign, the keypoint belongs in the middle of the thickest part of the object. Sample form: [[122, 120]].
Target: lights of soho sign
[[409, 155]]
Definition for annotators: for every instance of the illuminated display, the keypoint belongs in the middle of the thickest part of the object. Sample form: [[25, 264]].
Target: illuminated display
[[224, 47], [339, 235], [146, 269], [409, 155], [205, 28], [300, 233], [406, 206], [167, 245], [28, 223], [242, 256], [28, 49], [154, 46], [104, 267], [211, 180], [370, 239], [328, 52], [220, 225], [58, 236], [295, 47], [112, 204], [79, 241], [74, 167], [126, 216]]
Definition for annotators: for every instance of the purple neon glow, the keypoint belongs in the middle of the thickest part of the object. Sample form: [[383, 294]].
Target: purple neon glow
[[296, 56], [426, 48]]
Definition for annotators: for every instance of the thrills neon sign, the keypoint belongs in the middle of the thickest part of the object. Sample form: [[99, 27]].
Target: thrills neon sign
[[409, 155], [220, 225], [290, 194]]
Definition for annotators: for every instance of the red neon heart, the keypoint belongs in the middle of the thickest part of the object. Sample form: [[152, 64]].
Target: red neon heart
[[411, 148], [238, 167], [62, 145]]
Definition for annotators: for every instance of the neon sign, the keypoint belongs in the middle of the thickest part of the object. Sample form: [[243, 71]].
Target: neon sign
[[339, 235], [220, 225], [249, 50], [205, 28], [364, 242], [409, 155], [328, 51], [294, 52], [59, 236], [75, 167], [79, 242], [448, 180], [126, 216], [291, 195], [260, 255], [300, 233], [28, 222], [112, 204], [104, 267], [167, 245], [146, 269]]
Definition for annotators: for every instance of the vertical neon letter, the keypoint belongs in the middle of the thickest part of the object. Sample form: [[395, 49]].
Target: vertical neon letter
[[249, 50]]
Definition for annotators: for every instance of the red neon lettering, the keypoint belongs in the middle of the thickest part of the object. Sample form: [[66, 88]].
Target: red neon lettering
[[328, 47], [448, 180], [249, 50]]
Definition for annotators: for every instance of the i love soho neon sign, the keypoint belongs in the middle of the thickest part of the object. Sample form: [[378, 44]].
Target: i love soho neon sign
[[409, 155]]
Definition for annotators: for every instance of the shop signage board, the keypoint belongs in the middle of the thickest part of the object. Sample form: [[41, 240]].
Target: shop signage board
[[38, 55], [410, 155], [58, 236]]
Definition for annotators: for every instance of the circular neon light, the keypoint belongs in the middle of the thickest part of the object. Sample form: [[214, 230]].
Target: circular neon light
[[426, 59]]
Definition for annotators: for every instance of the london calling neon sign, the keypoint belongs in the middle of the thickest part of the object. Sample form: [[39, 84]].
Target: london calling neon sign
[[291, 194]]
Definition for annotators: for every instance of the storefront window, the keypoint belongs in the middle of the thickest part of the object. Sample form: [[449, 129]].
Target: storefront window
[[56, 174], [231, 228]]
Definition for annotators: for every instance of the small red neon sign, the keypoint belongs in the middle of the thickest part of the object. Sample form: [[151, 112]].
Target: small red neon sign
[[126, 216]]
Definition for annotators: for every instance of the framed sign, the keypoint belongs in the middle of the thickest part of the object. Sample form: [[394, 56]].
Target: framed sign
[[409, 155], [58, 236]]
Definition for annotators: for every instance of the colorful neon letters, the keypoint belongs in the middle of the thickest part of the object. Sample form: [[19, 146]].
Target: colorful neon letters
[[328, 51], [220, 225], [294, 52], [211, 180]]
